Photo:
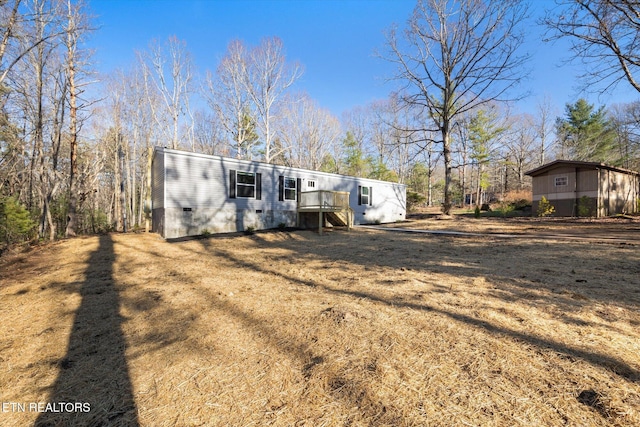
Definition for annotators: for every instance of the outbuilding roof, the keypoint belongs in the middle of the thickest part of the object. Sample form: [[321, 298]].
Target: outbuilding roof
[[577, 164]]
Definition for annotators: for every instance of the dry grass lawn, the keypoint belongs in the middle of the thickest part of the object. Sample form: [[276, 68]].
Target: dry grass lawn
[[360, 328]]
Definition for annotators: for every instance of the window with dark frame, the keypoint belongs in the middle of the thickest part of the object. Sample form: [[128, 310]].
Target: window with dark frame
[[290, 189], [364, 195], [245, 184]]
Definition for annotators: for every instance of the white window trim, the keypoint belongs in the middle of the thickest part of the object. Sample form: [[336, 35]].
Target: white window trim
[[364, 198], [287, 181], [564, 178], [240, 184]]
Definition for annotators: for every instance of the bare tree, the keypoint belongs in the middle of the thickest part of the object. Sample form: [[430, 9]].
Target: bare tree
[[268, 77], [544, 127], [397, 146], [456, 56], [310, 132], [604, 36], [357, 122], [72, 46], [207, 134], [11, 19], [625, 119], [75, 28], [228, 96], [519, 146], [37, 91], [172, 75]]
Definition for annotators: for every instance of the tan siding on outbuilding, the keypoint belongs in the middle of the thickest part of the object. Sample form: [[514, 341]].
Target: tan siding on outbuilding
[[570, 186]]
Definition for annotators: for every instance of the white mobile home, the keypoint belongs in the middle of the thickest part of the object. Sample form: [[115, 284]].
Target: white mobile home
[[195, 193]]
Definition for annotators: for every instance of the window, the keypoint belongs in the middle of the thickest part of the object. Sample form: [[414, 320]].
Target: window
[[561, 181], [365, 195], [289, 188], [311, 184], [245, 185]]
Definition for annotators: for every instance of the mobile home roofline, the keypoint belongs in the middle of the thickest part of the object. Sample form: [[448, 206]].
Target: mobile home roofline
[[256, 163]]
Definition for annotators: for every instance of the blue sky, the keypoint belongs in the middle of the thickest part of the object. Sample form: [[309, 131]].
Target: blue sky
[[335, 40]]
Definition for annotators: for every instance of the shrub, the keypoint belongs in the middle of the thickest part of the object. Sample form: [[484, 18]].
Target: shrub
[[584, 206], [15, 221], [414, 200], [99, 222], [545, 208], [282, 226], [476, 212], [249, 230], [505, 207]]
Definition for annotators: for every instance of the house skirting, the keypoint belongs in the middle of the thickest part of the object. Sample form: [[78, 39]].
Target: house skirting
[[173, 223]]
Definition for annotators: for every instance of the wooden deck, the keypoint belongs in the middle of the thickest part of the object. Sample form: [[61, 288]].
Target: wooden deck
[[332, 206]]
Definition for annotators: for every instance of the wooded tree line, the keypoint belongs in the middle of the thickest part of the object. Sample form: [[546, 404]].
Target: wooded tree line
[[72, 163]]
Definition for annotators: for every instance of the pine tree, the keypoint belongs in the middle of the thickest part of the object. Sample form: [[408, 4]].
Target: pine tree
[[354, 160], [483, 130], [15, 221], [586, 134]]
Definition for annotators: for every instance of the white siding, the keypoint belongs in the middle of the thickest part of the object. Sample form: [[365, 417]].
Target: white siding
[[197, 194], [157, 177]]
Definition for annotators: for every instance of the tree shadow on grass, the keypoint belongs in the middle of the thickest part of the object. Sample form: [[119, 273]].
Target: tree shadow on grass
[[614, 364], [93, 385]]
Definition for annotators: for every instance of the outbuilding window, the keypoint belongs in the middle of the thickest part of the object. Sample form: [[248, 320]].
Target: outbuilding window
[[247, 185], [561, 181]]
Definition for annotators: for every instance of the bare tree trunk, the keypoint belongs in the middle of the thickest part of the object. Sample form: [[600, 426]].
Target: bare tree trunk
[[117, 211], [446, 155], [73, 124], [73, 157], [456, 57], [8, 30], [123, 200]]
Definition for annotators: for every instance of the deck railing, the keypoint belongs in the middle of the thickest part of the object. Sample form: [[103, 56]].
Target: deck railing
[[326, 202], [324, 199]]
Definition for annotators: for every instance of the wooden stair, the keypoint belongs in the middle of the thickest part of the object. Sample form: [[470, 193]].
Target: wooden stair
[[342, 218], [332, 208]]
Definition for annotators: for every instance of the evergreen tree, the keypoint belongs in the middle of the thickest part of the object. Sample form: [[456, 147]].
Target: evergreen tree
[[483, 130], [379, 170], [586, 134], [15, 221], [354, 160], [329, 164]]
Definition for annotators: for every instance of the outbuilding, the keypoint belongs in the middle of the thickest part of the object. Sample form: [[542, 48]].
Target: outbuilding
[[577, 188], [194, 194]]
